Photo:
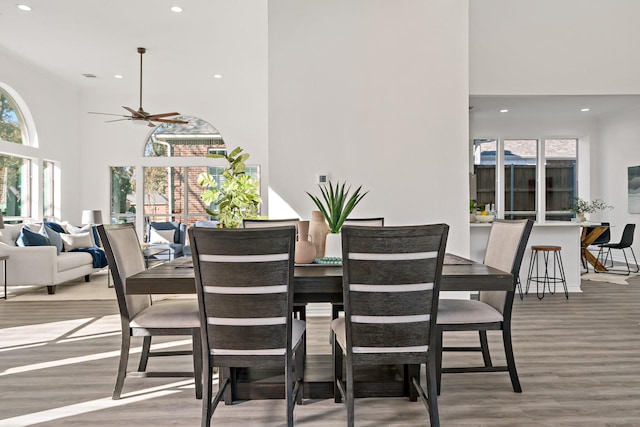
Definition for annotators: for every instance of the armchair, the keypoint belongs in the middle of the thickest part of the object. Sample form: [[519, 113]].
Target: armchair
[[169, 235]]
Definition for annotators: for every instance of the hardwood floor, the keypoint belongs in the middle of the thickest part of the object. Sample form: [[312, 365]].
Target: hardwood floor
[[578, 360]]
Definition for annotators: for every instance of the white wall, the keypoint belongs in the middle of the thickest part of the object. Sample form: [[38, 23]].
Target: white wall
[[55, 108], [617, 151], [554, 47], [373, 92]]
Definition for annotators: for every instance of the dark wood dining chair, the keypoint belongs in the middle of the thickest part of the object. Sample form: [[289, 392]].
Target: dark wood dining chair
[[140, 317], [391, 282], [492, 310], [244, 282]]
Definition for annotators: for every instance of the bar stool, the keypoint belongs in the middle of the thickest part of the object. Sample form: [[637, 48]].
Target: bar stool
[[546, 279]]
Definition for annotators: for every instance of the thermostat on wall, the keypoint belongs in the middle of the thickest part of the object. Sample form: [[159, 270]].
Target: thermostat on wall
[[322, 179]]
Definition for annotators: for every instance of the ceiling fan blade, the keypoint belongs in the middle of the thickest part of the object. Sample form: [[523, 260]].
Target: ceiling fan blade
[[182, 122], [107, 114], [135, 113], [118, 120], [152, 116]]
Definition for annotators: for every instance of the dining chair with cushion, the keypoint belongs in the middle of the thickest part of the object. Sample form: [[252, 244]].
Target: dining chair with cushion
[[492, 310], [391, 282], [140, 317], [625, 243], [244, 282]]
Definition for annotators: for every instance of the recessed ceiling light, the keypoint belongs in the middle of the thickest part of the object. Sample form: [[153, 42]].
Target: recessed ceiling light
[[24, 7], [176, 9], [118, 76], [584, 110], [504, 110], [217, 76]]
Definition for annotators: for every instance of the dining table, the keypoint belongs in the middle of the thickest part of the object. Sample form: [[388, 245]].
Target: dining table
[[590, 233], [319, 283]]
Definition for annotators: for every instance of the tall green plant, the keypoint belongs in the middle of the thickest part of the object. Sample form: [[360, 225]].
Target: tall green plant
[[238, 195], [336, 205]]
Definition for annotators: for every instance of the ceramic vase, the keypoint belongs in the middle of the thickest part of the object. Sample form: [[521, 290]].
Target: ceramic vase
[[318, 230], [305, 250], [333, 246]]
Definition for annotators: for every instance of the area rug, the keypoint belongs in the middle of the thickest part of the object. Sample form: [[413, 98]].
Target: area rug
[[618, 279]]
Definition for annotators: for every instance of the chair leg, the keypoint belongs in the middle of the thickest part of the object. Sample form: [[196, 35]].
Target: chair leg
[[207, 391], [635, 260], [122, 366], [438, 361], [197, 362], [350, 396], [511, 361], [412, 371], [484, 344], [432, 387], [289, 390], [144, 355], [337, 369], [300, 356]]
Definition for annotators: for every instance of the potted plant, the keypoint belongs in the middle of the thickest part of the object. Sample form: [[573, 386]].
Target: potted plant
[[236, 197], [580, 207], [336, 205]]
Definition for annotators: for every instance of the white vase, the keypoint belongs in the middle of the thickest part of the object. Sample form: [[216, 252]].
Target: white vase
[[333, 245]]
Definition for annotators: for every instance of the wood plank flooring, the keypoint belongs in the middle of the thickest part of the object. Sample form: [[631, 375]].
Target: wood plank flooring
[[578, 360]]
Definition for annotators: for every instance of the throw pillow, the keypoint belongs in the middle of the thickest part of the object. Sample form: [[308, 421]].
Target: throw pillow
[[29, 237], [54, 238], [10, 233], [161, 236], [72, 229], [76, 241]]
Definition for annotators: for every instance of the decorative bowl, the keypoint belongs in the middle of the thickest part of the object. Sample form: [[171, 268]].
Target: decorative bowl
[[484, 218]]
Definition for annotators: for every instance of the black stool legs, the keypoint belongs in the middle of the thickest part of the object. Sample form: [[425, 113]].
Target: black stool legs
[[546, 279]]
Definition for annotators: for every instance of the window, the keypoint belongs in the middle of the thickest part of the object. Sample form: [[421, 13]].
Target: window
[[12, 124], [123, 195], [15, 180], [523, 189], [178, 140], [50, 189]]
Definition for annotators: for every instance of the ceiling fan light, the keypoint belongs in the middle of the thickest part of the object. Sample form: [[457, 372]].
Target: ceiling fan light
[[139, 122]]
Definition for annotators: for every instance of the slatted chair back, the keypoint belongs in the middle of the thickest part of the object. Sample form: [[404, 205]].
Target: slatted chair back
[[505, 249], [391, 282], [125, 258], [244, 283], [365, 222], [268, 223]]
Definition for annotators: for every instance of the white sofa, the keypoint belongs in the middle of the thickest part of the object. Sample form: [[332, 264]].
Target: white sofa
[[41, 265]]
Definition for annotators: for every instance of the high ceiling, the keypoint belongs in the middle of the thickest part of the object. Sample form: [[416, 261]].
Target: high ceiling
[[74, 37], [185, 50]]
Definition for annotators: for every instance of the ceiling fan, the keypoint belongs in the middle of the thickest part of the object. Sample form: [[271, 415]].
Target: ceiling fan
[[140, 115]]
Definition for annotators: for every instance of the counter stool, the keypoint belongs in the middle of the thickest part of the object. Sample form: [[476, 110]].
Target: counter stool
[[546, 280]]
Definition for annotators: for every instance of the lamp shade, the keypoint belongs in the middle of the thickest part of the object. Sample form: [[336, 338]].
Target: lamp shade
[[91, 216]]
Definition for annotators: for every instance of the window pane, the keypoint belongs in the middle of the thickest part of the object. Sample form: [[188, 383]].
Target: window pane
[[520, 158], [484, 169], [49, 199], [560, 171], [12, 127], [123, 194], [179, 140], [14, 186]]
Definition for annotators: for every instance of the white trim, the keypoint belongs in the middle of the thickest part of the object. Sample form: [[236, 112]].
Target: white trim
[[413, 287], [262, 352], [246, 290], [411, 349], [391, 319], [244, 258], [246, 321], [392, 257]]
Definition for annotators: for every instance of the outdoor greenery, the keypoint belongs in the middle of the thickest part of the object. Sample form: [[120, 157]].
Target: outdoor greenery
[[578, 206], [336, 205], [235, 198]]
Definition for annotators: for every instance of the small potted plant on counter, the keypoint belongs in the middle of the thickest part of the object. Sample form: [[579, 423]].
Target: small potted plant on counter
[[580, 207]]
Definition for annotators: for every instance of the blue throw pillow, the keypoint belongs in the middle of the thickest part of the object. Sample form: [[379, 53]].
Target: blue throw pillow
[[29, 237], [54, 237]]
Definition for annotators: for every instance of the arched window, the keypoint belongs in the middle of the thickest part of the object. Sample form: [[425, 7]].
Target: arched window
[[13, 127], [197, 138]]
